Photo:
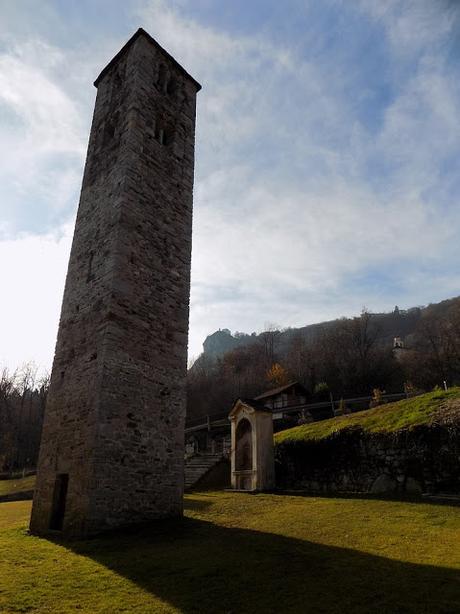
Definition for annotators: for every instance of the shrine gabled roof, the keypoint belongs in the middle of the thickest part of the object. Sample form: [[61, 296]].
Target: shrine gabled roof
[[126, 47], [258, 405]]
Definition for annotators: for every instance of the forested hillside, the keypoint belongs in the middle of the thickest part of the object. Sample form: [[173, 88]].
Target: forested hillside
[[22, 406], [398, 323], [345, 357]]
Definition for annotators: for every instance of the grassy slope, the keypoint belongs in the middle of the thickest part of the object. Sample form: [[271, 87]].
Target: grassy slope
[[8, 487], [244, 553], [385, 418]]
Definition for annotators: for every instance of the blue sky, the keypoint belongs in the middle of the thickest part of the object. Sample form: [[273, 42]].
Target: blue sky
[[327, 155]]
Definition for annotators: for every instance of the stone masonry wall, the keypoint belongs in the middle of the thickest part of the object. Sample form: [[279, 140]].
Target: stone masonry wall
[[114, 421], [424, 459]]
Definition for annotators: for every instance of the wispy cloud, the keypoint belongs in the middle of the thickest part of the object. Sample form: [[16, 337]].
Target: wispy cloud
[[42, 133], [33, 272], [412, 26], [326, 160], [298, 196]]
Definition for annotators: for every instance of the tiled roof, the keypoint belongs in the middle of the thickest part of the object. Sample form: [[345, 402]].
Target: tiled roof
[[276, 391]]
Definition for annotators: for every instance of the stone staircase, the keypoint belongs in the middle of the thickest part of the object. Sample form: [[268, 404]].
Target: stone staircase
[[197, 466]]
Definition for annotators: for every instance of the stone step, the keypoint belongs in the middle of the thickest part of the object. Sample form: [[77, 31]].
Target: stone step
[[200, 465], [197, 466]]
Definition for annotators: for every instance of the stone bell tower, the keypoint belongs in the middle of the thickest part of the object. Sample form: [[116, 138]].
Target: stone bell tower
[[112, 445]]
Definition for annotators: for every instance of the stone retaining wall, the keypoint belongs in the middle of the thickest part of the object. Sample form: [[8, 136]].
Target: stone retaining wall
[[423, 459]]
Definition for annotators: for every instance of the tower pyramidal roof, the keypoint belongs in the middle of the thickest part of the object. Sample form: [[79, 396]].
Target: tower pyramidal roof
[[141, 32]]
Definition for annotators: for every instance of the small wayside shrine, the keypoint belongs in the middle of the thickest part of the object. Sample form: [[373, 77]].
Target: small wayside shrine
[[112, 450], [252, 456]]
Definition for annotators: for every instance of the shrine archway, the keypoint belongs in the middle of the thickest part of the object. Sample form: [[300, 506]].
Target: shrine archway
[[252, 458], [243, 443]]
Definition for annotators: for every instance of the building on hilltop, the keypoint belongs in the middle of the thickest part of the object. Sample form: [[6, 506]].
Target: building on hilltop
[[400, 351]]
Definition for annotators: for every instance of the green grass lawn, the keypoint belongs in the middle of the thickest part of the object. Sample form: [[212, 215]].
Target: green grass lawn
[[19, 485], [386, 418], [241, 553]]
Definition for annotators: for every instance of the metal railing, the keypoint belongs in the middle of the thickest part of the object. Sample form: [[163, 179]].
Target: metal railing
[[326, 410]]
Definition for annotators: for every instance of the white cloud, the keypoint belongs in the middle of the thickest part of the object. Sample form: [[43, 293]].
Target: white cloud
[[422, 126], [287, 212], [281, 230], [412, 25], [238, 73], [43, 138], [291, 255], [33, 272], [51, 120]]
